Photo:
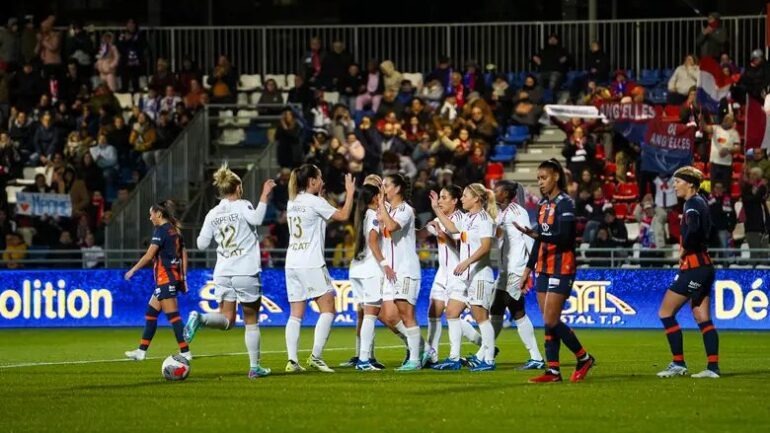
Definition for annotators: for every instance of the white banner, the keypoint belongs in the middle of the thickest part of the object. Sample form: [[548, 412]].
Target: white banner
[[39, 204], [582, 111]]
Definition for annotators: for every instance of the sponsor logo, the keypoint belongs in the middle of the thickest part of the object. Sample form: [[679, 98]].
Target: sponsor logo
[[38, 299], [590, 304], [730, 301]]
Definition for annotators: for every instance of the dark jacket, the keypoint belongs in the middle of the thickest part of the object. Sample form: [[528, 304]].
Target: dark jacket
[[46, 140], [550, 59], [712, 44], [334, 67], [80, 48], [598, 66], [350, 85], [26, 89], [756, 79], [131, 47], [372, 143], [755, 209], [386, 107], [291, 152], [722, 213]]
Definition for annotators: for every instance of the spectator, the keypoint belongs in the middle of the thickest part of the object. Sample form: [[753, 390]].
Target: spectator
[[587, 184], [621, 86], [93, 255], [108, 61], [417, 108], [405, 92], [69, 256], [527, 105], [224, 82], [20, 133], [271, 94], [335, 65], [302, 94], [684, 78], [579, 151], [170, 100], [75, 148], [598, 64], [350, 85], [45, 142], [552, 62], [164, 77], [131, 44], [690, 112], [372, 162], [389, 104], [592, 209], [104, 98], [187, 74], [501, 99], [106, 157], [312, 63], [73, 83], [49, 48], [481, 124], [722, 217], [341, 123], [79, 48], [756, 77], [15, 251], [10, 46], [10, 162], [449, 109], [602, 241], [40, 186], [166, 132], [756, 216], [143, 138], [91, 173], [345, 251], [574, 123], [391, 140], [442, 73], [7, 226], [433, 93], [288, 135], [67, 182], [29, 40], [194, 98], [457, 89], [648, 237], [474, 169], [150, 104], [391, 77], [5, 96], [713, 38], [724, 141], [757, 158], [26, 88], [371, 92], [473, 79], [616, 228]]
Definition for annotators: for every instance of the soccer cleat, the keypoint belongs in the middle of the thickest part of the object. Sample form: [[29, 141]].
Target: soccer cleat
[[428, 357], [706, 374], [533, 364], [192, 326], [366, 366], [471, 361], [257, 372], [497, 351], [378, 365], [352, 362], [550, 376], [581, 370], [136, 354], [484, 366], [293, 367], [318, 364], [674, 369], [410, 366], [406, 357], [448, 364], [186, 355]]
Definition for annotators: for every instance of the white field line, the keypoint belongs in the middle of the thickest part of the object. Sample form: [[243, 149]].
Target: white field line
[[212, 355]]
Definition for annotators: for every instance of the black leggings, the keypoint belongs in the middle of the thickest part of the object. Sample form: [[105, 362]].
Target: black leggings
[[504, 300]]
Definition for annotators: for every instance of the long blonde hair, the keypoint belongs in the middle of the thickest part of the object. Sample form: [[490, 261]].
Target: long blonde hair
[[487, 197], [226, 181]]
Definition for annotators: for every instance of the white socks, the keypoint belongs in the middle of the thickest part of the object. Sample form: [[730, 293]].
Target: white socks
[[358, 344], [322, 329], [413, 341], [252, 344], [215, 320], [527, 335], [470, 334], [401, 332], [367, 337], [455, 337], [292, 337], [497, 323], [434, 332], [488, 340]]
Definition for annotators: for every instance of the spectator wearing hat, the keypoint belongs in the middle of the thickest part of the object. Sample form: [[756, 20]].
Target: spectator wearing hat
[[756, 77], [10, 45], [713, 37], [552, 62]]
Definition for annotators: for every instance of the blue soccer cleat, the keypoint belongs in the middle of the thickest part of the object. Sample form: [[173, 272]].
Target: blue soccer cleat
[[471, 361], [257, 372], [448, 365], [366, 366], [532, 364], [192, 326], [410, 366], [484, 366], [378, 365]]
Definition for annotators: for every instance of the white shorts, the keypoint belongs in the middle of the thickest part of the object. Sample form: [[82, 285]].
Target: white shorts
[[307, 284], [407, 289], [509, 282], [242, 288], [440, 291], [476, 292], [367, 291]]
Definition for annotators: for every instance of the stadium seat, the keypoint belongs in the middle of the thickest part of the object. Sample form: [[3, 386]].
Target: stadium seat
[[249, 83], [243, 98], [142, 82], [11, 190], [244, 117], [512, 78], [632, 229], [658, 96], [332, 97], [516, 134], [125, 100], [504, 153], [671, 113], [289, 81], [285, 96], [495, 172], [254, 98], [415, 78], [649, 77], [627, 191], [225, 118], [137, 97], [231, 136], [205, 82]]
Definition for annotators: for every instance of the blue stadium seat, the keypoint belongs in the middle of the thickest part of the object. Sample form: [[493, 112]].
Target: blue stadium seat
[[504, 153], [658, 95], [516, 134], [571, 77], [511, 77], [649, 77], [489, 78]]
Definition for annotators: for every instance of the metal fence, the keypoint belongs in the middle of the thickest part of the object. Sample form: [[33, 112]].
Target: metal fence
[[179, 169], [631, 44]]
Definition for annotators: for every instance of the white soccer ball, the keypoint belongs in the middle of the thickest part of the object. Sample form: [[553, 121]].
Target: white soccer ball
[[175, 367]]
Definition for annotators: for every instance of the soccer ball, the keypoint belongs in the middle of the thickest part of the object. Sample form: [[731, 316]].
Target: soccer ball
[[175, 367]]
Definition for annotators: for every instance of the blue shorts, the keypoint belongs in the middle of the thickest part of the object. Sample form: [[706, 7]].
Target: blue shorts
[[694, 283], [561, 284], [168, 291]]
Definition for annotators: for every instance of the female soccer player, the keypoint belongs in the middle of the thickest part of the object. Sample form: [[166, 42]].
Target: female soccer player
[[695, 278], [401, 267], [169, 257], [514, 248], [448, 256], [473, 281], [553, 258], [233, 225], [306, 275]]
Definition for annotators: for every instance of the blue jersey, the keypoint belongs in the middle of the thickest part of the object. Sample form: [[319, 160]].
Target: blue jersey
[[167, 264], [695, 230]]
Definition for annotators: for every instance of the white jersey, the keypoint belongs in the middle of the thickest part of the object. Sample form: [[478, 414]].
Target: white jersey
[[448, 257], [306, 216], [473, 228], [233, 225], [400, 248], [514, 245], [368, 266]]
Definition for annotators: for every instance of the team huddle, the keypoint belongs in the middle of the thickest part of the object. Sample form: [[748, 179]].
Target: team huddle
[[385, 273]]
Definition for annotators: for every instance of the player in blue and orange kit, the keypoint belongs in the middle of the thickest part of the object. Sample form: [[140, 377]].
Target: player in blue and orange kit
[[553, 259], [169, 258], [695, 278]]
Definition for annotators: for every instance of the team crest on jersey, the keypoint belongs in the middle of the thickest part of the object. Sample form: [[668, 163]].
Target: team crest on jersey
[[464, 237], [375, 223], [385, 232]]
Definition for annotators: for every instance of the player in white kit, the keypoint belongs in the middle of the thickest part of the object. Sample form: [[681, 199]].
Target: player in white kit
[[472, 281], [448, 257], [233, 225], [514, 253], [401, 267], [306, 275]]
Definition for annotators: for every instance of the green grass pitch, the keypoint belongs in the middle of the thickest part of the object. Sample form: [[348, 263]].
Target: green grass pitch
[[621, 394]]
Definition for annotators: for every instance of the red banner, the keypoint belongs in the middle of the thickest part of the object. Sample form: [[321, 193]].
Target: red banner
[[617, 112]]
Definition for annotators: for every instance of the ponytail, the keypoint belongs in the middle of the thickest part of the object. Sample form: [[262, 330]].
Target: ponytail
[[300, 179], [486, 196], [555, 165], [513, 191], [226, 181], [365, 197], [167, 209], [293, 185], [491, 204]]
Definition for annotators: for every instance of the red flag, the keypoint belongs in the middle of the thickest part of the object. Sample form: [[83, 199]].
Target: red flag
[[757, 126]]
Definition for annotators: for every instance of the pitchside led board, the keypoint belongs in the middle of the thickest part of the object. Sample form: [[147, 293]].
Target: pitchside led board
[[611, 298]]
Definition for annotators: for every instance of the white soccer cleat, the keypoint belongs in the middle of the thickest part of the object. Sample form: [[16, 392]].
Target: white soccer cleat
[[673, 370], [136, 354], [318, 364], [187, 355], [293, 367], [706, 374]]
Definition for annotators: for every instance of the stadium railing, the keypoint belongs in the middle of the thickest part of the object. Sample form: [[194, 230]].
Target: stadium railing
[[611, 258], [631, 44]]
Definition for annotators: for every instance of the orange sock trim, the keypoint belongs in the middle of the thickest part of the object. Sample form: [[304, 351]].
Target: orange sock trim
[[673, 329]]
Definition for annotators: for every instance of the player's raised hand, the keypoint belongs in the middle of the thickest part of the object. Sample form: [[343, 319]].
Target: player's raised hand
[[350, 184], [526, 230], [267, 188], [434, 200]]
